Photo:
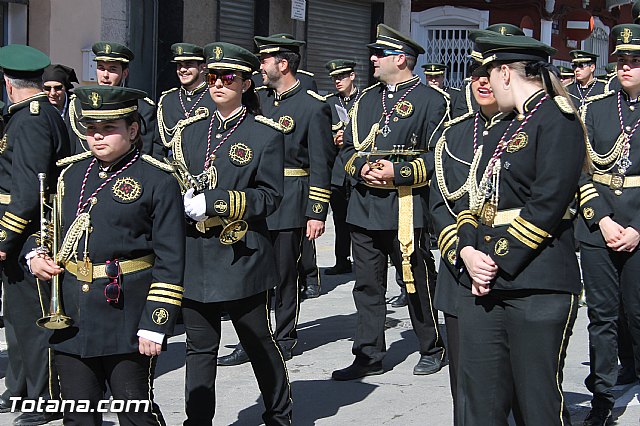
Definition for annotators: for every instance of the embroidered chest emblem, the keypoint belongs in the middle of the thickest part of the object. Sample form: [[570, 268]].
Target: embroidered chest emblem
[[518, 142], [404, 109], [126, 190], [240, 154], [287, 123]]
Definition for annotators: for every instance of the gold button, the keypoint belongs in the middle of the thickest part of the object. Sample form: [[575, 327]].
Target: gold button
[[85, 288], [487, 239], [102, 175], [632, 108], [276, 103]]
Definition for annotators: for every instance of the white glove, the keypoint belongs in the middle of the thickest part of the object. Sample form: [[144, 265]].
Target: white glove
[[195, 207]]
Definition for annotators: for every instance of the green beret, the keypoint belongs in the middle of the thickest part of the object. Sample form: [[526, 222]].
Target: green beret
[[513, 49], [186, 52], [627, 39], [434, 69], [20, 61], [580, 56], [278, 43], [227, 56], [107, 103], [389, 39], [566, 72], [340, 66], [111, 51]]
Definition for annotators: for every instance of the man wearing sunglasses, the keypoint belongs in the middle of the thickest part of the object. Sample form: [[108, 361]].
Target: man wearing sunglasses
[[58, 82], [585, 84], [188, 100], [386, 207], [309, 154], [112, 69]]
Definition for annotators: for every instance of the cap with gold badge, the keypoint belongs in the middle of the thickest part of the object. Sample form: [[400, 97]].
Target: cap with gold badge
[[581, 56], [434, 69], [20, 61], [491, 30], [340, 66], [627, 39], [227, 56], [512, 49], [186, 52], [388, 38], [278, 43], [566, 72], [111, 52], [106, 103]]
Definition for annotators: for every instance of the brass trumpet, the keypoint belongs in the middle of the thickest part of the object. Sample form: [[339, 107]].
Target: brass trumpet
[[233, 230], [397, 153], [48, 241]]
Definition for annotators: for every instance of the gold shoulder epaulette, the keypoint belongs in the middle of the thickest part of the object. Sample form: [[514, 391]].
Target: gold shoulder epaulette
[[459, 119], [315, 95], [366, 89], [150, 101], [442, 92], [269, 122], [170, 90], [34, 107], [261, 88], [600, 96], [329, 95], [309, 73], [159, 164], [457, 89], [73, 158], [564, 104]]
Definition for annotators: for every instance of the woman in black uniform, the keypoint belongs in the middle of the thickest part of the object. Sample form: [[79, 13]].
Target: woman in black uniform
[[514, 316], [236, 157], [123, 260]]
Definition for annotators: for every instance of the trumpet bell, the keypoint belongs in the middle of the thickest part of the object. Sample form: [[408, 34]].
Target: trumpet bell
[[55, 322], [233, 232]]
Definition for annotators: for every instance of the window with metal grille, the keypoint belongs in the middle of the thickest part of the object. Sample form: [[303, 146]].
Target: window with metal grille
[[450, 46], [598, 43]]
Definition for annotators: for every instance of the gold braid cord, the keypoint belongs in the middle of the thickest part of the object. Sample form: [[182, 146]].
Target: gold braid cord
[[610, 157], [458, 193], [177, 136], [371, 137], [405, 234], [70, 243], [73, 118], [476, 196]]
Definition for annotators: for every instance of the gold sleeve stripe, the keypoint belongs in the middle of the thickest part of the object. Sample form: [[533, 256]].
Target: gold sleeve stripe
[[526, 233], [511, 230], [423, 170], [469, 221], [164, 300], [237, 198], [319, 197], [319, 193], [166, 293], [16, 218], [323, 200], [585, 200], [586, 186], [243, 204], [167, 286], [588, 191], [446, 231], [531, 227], [231, 201], [10, 221], [449, 244], [466, 214], [10, 227], [315, 188]]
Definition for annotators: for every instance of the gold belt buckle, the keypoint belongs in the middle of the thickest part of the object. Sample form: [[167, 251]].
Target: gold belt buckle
[[617, 183], [488, 213]]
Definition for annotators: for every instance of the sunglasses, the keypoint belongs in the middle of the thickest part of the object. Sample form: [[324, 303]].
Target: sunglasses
[[113, 289], [226, 77], [580, 65], [56, 87], [341, 77], [382, 53]]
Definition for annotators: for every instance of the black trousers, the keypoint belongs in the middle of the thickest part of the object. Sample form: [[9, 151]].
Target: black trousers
[[370, 252], [625, 342], [288, 249], [339, 201], [453, 353], [308, 266], [610, 278], [130, 376], [250, 317], [31, 372], [512, 347]]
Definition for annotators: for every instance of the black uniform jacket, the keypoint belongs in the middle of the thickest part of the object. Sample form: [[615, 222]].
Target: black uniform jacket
[[454, 154], [540, 171], [250, 187], [415, 122], [137, 214], [464, 103], [306, 122], [598, 200], [338, 176], [147, 110], [34, 138], [177, 104], [579, 94]]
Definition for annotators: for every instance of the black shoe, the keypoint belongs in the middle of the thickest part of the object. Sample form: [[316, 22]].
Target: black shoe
[[356, 371], [598, 417], [428, 364], [237, 357], [225, 317], [311, 292], [5, 405], [34, 419], [339, 268], [626, 376], [400, 301]]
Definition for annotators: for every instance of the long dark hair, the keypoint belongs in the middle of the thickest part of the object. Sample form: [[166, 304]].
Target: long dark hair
[[250, 97], [135, 117]]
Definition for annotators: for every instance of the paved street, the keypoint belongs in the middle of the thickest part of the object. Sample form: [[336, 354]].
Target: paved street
[[325, 329]]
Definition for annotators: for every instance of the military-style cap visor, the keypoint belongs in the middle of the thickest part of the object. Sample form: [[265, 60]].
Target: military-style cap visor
[[227, 56], [186, 52], [107, 103], [339, 71]]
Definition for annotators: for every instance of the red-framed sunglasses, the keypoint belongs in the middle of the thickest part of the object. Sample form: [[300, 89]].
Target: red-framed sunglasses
[[113, 289], [227, 77]]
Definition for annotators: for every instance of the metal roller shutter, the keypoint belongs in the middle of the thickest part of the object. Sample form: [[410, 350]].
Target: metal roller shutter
[[237, 25], [338, 29]]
